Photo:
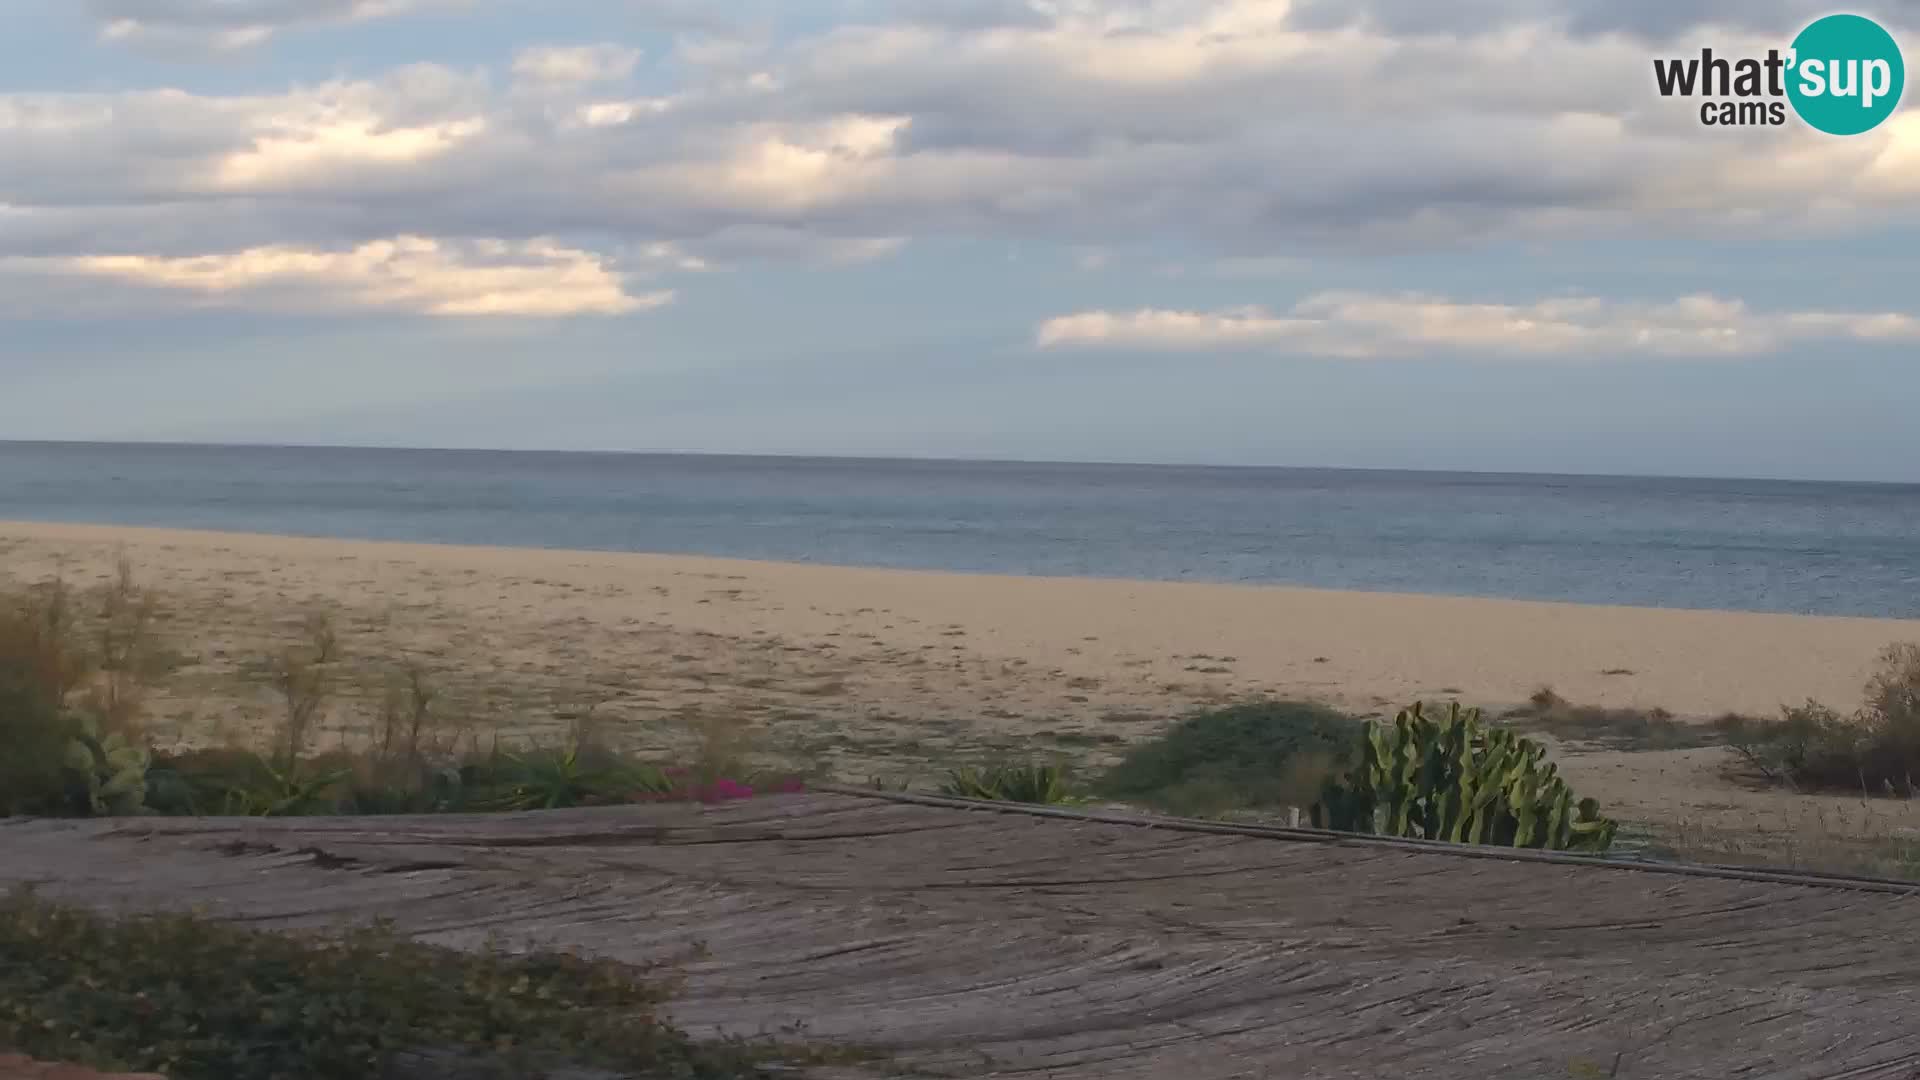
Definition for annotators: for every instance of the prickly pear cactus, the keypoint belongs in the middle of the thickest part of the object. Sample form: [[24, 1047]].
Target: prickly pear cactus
[[112, 770], [1457, 779]]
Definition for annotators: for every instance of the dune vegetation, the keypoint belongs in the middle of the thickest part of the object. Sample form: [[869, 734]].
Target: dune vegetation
[[77, 666]]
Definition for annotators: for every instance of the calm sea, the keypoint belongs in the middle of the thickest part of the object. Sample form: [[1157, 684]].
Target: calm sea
[[1734, 544]]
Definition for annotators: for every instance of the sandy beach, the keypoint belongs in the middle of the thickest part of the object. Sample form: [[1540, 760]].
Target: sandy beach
[[863, 670]]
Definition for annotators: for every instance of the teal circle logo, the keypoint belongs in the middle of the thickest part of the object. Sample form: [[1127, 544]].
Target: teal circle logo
[[1846, 74]]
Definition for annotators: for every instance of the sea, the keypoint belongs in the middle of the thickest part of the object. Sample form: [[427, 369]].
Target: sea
[[1746, 545]]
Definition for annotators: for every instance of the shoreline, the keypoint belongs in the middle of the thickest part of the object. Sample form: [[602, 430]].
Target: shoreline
[[1354, 648], [86, 531]]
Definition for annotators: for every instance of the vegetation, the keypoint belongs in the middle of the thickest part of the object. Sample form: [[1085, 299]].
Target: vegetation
[[1613, 728], [74, 670], [1260, 755], [200, 1000], [106, 770], [196, 999], [579, 773], [1039, 784], [1459, 780], [1874, 751], [69, 693]]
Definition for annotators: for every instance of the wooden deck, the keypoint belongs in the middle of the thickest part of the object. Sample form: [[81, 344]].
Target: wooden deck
[[982, 943]]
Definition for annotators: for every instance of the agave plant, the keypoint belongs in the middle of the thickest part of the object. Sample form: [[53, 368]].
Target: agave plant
[[555, 780], [288, 790], [1041, 784]]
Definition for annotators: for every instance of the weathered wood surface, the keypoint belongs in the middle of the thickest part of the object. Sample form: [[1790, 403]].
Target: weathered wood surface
[[980, 943]]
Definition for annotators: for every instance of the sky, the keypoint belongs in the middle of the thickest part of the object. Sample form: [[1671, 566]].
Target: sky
[[1372, 233]]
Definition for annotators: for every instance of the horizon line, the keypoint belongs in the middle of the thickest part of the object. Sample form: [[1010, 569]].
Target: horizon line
[[937, 460]]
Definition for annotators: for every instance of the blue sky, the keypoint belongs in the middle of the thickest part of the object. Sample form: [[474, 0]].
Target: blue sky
[[1319, 232]]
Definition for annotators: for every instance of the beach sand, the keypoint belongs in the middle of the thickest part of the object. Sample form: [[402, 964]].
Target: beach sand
[[881, 671]]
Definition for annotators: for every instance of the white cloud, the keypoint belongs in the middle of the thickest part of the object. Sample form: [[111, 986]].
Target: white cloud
[[225, 25], [406, 274], [780, 169], [1076, 120], [567, 65], [312, 150], [1255, 131], [1359, 325]]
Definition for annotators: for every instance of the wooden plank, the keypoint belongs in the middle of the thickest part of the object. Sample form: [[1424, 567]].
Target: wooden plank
[[980, 943]]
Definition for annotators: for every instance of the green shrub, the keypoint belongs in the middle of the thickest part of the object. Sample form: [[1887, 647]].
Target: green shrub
[[34, 729], [235, 782], [243, 784], [199, 1000], [34, 735], [576, 775], [199, 781], [1263, 754], [1807, 741], [1893, 692], [1812, 747], [70, 691]]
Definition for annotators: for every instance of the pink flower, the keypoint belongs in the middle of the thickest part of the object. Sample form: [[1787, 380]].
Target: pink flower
[[724, 790]]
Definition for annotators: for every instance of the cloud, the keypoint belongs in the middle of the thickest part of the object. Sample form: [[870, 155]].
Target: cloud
[[234, 24], [1649, 20], [962, 14], [407, 274], [1251, 133], [575, 64], [1164, 118], [737, 244], [1362, 325]]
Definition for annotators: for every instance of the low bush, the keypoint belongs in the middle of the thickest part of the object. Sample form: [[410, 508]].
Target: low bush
[[1805, 742], [233, 782], [1812, 747], [35, 735], [199, 1000], [72, 671], [1614, 728], [574, 775], [1259, 755]]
